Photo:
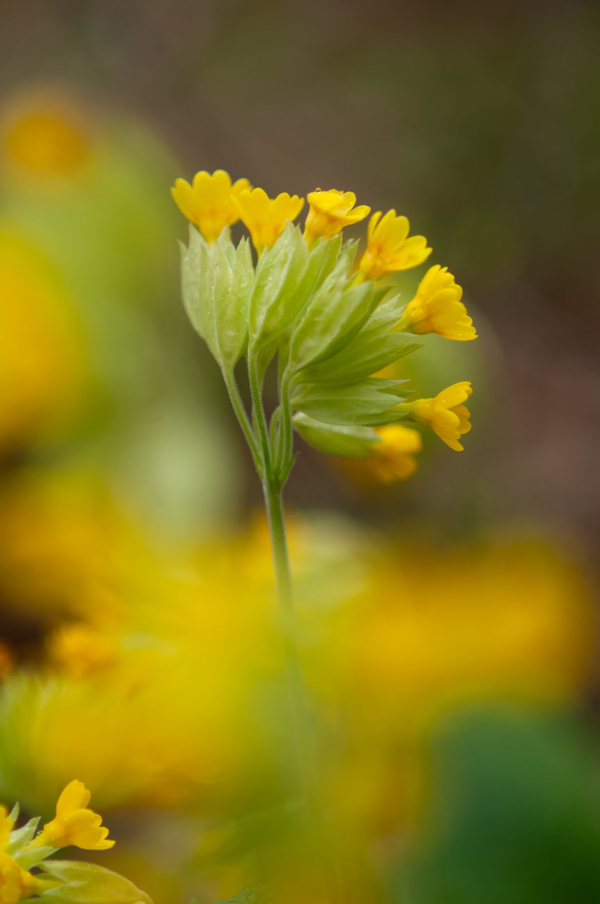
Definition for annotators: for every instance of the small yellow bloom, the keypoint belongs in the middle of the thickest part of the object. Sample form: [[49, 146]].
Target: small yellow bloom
[[445, 414], [393, 457], [265, 217], [389, 248], [437, 308], [81, 650], [74, 824], [15, 883], [209, 201], [330, 211]]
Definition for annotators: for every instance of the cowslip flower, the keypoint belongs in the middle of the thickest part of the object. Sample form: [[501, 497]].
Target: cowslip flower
[[265, 217], [445, 414], [209, 202], [389, 248], [15, 882], [74, 824], [393, 457], [437, 308], [330, 211]]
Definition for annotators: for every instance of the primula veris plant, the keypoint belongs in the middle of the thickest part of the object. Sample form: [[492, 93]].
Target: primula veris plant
[[329, 324], [26, 871]]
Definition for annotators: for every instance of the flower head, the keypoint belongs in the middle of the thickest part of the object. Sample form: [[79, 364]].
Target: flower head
[[209, 201], [389, 248], [330, 211], [74, 824], [15, 883], [445, 414], [393, 457], [265, 217], [437, 308]]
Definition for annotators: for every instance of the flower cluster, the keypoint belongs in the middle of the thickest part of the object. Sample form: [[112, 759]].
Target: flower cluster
[[330, 321], [59, 881]]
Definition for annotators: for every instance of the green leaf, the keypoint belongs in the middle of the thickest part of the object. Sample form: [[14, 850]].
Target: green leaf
[[86, 883], [368, 403], [217, 282], [335, 439]]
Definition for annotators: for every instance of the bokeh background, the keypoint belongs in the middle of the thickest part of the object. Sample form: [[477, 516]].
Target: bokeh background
[[449, 622]]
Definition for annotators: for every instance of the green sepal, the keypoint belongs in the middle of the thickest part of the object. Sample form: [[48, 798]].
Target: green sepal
[[277, 296], [372, 349], [255, 895], [333, 316], [87, 883], [336, 439], [367, 403], [20, 837], [217, 283], [27, 859]]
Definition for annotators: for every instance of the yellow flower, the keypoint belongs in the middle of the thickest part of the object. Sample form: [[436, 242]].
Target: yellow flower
[[393, 457], [265, 217], [15, 883], [74, 824], [437, 308], [389, 248], [330, 211], [81, 649], [445, 414], [44, 135], [209, 201], [6, 825]]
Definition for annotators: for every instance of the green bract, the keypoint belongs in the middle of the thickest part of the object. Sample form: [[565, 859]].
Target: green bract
[[89, 884], [330, 330]]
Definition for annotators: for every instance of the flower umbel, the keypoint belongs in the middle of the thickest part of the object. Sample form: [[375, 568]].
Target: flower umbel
[[445, 414], [393, 457], [15, 882], [330, 211], [265, 217], [209, 201], [389, 248], [437, 308], [74, 823]]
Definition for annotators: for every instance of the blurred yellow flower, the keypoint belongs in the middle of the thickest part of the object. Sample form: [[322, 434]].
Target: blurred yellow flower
[[74, 823], [265, 217], [6, 825], [445, 414], [41, 345], [393, 457], [389, 248], [330, 211], [43, 134], [81, 649], [437, 308], [15, 883], [209, 202]]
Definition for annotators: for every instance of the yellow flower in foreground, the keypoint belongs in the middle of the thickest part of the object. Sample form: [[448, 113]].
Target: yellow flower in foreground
[[445, 414], [393, 457], [15, 883], [437, 308], [265, 217], [209, 201], [389, 248], [74, 824], [330, 211]]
